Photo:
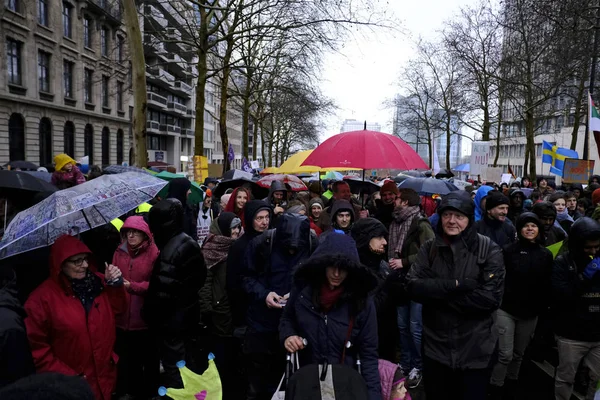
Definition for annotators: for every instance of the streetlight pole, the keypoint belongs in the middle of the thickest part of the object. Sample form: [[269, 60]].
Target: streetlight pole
[[586, 148]]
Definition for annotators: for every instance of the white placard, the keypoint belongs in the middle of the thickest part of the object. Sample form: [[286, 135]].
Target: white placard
[[254, 164], [480, 152], [491, 174]]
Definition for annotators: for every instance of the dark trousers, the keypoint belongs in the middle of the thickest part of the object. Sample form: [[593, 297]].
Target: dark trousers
[[265, 364], [138, 368], [445, 383]]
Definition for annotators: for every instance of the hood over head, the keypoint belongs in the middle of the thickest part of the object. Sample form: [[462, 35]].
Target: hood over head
[[178, 189], [479, 195], [514, 192], [224, 223], [136, 222], [342, 205], [530, 217], [63, 248], [60, 160], [576, 186], [337, 250], [232, 199], [583, 229], [544, 209], [166, 220], [251, 209], [8, 291], [366, 229], [293, 231], [277, 186], [597, 177]]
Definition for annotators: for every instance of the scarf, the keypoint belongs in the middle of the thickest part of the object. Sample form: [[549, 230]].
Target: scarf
[[399, 229], [564, 216], [87, 289], [328, 297], [216, 249]]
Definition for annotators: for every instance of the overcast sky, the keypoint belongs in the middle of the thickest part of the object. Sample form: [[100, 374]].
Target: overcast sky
[[364, 76]]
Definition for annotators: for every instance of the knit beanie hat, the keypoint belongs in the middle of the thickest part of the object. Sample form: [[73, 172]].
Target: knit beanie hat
[[495, 199], [390, 186], [366, 229], [596, 197], [337, 244], [458, 200], [316, 201], [315, 187]]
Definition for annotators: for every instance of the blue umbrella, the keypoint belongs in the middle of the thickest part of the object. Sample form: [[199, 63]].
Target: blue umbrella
[[78, 209], [336, 176], [428, 186], [462, 168], [119, 169]]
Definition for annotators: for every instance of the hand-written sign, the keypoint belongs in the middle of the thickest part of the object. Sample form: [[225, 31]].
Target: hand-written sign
[[577, 171], [480, 152]]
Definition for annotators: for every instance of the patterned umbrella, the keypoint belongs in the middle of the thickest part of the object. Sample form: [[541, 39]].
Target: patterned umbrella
[[295, 183], [78, 209]]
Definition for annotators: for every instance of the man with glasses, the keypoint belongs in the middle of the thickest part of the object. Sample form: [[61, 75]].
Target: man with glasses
[[459, 279]]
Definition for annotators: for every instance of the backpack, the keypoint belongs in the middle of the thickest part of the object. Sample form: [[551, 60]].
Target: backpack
[[266, 248]]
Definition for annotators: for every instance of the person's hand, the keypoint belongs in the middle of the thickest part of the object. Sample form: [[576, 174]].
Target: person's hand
[[364, 214], [592, 268], [278, 210], [293, 344], [112, 272], [467, 284], [126, 283], [396, 263], [273, 300]]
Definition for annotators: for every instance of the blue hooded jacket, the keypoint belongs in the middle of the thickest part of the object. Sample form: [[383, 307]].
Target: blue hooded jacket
[[479, 195]]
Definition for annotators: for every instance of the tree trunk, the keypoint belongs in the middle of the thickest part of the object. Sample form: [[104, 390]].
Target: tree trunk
[[223, 105], [448, 133], [485, 135], [529, 132], [246, 116], [138, 75], [254, 139], [202, 66], [578, 106]]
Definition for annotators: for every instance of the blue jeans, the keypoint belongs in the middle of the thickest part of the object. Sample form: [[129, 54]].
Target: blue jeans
[[410, 324]]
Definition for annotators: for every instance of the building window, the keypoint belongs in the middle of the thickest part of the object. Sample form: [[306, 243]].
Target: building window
[[67, 28], [88, 86], [16, 137], [87, 32], [69, 138], [45, 141], [105, 146], [43, 12], [88, 142], [120, 138], [120, 96], [105, 85], [104, 42], [13, 5], [68, 78], [13, 56], [120, 48], [44, 71]]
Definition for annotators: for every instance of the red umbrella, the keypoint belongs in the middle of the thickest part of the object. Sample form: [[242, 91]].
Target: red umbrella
[[295, 183], [365, 150]]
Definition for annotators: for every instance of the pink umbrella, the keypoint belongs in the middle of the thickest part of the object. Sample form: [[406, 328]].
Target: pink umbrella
[[295, 183], [365, 150]]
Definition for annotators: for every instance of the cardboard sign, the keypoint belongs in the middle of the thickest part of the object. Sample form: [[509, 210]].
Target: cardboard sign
[[491, 174], [577, 171], [480, 153]]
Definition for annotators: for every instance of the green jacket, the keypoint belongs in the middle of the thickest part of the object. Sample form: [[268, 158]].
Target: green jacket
[[420, 231]]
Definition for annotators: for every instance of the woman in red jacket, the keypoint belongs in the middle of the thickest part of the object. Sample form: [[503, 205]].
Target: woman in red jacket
[[71, 317], [138, 362]]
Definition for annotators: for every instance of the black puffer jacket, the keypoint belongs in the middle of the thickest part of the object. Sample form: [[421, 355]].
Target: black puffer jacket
[[235, 262], [15, 355], [528, 273], [459, 328], [327, 332], [179, 272], [577, 298], [178, 189]]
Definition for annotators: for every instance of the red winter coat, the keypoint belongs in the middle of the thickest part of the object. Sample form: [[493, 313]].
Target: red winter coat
[[62, 338], [136, 267]]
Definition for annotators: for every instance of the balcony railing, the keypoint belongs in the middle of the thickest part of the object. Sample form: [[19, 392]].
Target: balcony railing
[[112, 8], [173, 34], [173, 129], [191, 113], [180, 108], [157, 98], [166, 77], [183, 86], [153, 126], [155, 16], [186, 132]]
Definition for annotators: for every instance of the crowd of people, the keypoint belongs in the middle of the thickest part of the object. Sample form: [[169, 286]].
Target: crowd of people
[[446, 295]]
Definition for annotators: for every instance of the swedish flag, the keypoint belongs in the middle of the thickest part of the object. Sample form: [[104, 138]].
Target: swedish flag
[[555, 156]]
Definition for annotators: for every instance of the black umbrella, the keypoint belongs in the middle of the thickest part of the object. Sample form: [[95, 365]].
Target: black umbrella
[[358, 186], [444, 173], [19, 181], [23, 165], [237, 174], [428, 186], [257, 191], [415, 173]]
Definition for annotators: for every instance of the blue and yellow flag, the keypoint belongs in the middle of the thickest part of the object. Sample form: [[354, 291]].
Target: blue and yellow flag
[[555, 156]]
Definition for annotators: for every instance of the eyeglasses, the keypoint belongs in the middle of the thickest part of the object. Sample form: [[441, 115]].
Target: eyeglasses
[[78, 262], [134, 233]]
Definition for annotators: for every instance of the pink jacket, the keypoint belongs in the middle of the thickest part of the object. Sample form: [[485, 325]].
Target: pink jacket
[[65, 180], [136, 268]]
